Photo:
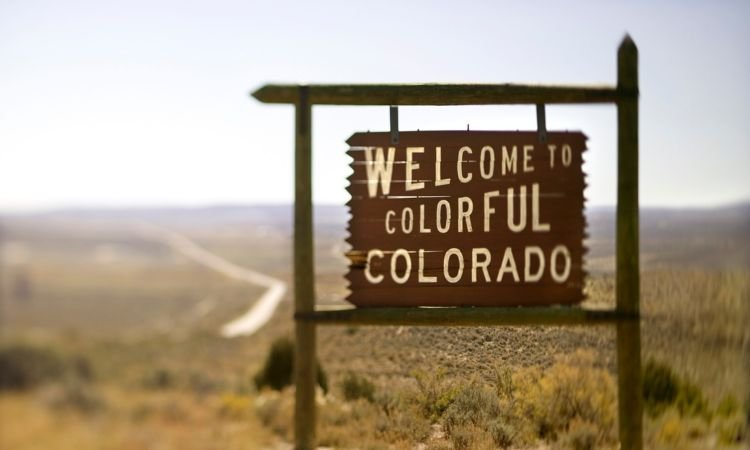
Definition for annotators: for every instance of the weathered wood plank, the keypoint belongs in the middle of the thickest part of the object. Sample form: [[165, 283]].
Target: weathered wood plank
[[441, 94], [464, 316]]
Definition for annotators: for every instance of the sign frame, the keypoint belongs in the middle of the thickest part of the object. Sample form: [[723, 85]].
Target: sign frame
[[626, 314]]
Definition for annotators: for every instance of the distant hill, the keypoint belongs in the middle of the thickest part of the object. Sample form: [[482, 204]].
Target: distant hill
[[706, 237]]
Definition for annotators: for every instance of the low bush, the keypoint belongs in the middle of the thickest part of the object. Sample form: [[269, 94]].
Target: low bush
[[690, 400], [234, 406], [388, 401], [670, 430], [406, 425], [663, 388], [462, 438], [503, 433], [75, 396], [158, 379], [733, 430], [275, 410], [278, 369], [361, 424], [354, 387], [25, 366], [581, 435], [660, 387], [728, 406], [202, 383], [552, 400], [434, 393], [279, 366], [473, 405]]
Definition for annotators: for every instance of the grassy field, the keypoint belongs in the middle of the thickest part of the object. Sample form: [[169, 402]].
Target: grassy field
[[132, 330]]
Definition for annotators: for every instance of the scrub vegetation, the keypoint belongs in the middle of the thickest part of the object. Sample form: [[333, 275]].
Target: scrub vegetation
[[110, 340]]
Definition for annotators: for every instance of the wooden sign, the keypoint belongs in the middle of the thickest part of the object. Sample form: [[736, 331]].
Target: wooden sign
[[466, 218]]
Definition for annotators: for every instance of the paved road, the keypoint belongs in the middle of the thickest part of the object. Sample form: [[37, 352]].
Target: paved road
[[263, 308]]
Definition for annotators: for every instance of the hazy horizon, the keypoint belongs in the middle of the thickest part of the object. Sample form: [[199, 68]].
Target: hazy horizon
[[208, 206]]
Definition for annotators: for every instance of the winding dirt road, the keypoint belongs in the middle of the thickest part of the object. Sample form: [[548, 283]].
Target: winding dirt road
[[263, 308]]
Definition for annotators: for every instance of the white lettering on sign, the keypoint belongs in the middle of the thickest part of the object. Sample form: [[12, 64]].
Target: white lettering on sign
[[487, 163], [439, 180], [465, 208], [443, 218], [508, 265], [510, 160], [411, 166], [489, 210], [517, 208], [374, 279], [527, 149], [379, 170], [463, 178], [534, 261], [516, 214], [404, 277], [422, 277]]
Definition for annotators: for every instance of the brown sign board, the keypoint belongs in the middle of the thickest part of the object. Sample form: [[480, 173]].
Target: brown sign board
[[466, 218]]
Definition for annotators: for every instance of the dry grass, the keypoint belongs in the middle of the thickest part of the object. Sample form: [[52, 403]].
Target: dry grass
[[134, 420], [694, 302]]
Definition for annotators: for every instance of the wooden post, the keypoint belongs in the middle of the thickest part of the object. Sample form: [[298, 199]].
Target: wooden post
[[304, 288], [628, 276]]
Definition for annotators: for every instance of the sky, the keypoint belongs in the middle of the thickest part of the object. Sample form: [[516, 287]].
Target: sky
[[146, 103]]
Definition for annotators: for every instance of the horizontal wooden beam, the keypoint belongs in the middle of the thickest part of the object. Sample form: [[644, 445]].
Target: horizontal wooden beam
[[484, 316], [441, 94]]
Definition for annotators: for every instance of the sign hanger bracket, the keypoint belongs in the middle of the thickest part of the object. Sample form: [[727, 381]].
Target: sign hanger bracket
[[541, 123], [394, 124]]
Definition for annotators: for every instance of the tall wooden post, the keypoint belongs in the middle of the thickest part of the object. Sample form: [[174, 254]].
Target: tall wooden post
[[628, 275], [304, 288]]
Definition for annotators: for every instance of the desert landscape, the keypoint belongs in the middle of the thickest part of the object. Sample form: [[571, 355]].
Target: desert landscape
[[111, 338]]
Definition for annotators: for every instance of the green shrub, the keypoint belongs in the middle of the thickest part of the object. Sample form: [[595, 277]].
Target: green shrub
[[279, 365], [82, 369], [408, 425], [690, 400], [504, 382], [503, 433], [728, 406], [660, 387], [355, 387], [275, 410], [202, 383], [574, 388], [388, 402], [321, 376], [23, 366], [462, 438], [473, 405], [158, 379], [434, 394], [75, 396], [234, 406], [732, 431], [670, 429], [581, 435], [278, 368]]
